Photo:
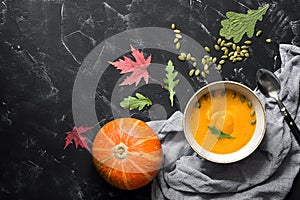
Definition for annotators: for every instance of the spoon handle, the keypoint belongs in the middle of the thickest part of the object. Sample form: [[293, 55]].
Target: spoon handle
[[288, 118]]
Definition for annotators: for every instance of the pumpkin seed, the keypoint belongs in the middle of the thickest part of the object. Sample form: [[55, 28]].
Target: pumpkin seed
[[178, 36], [176, 31], [183, 54], [233, 95], [210, 59], [219, 41], [194, 64], [238, 48], [203, 61], [239, 59], [231, 53], [175, 40], [205, 67], [248, 42], [249, 104], [235, 54], [181, 58], [234, 46], [217, 47], [177, 46], [242, 54], [247, 55], [268, 40], [228, 44], [244, 47], [253, 121], [244, 51], [207, 49], [203, 74], [226, 52], [222, 43], [206, 56], [219, 67], [193, 59], [224, 56], [224, 48], [188, 57], [197, 72], [191, 72], [234, 60], [207, 72], [214, 60], [242, 98], [221, 62], [258, 33], [231, 57], [173, 26], [252, 112]]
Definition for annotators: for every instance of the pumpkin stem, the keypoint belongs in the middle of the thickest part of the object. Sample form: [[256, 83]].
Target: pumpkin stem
[[120, 151]]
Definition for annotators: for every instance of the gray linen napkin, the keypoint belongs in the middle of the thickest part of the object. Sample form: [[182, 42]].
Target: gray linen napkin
[[268, 173]]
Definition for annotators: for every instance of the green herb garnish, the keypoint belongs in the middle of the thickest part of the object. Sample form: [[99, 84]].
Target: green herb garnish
[[137, 102], [169, 80], [220, 134], [238, 24]]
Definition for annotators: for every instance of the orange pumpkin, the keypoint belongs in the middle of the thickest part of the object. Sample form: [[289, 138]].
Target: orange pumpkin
[[127, 153]]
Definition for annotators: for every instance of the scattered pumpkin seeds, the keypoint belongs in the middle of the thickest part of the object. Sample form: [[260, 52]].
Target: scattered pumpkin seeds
[[244, 47], [224, 56], [205, 67], [252, 112], [176, 31], [207, 72], [194, 64], [188, 57], [248, 42], [219, 41], [247, 55], [178, 36], [214, 60], [181, 58], [207, 49], [177, 46], [242, 98], [221, 62], [253, 121], [234, 46], [217, 47], [219, 67], [175, 40], [258, 33], [268, 40], [197, 72], [173, 26], [203, 74], [222, 43], [191, 72], [193, 59]]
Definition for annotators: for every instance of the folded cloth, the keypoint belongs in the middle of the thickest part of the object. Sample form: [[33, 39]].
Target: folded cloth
[[268, 173]]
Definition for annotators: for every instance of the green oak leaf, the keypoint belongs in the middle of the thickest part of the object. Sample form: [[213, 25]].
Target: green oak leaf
[[239, 24]]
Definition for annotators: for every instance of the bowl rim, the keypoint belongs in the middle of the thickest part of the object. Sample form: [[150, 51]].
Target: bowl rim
[[212, 156]]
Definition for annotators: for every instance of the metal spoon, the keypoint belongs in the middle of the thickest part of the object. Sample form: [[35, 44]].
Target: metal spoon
[[269, 85]]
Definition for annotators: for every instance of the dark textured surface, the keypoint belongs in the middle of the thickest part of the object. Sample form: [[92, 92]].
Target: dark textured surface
[[42, 45]]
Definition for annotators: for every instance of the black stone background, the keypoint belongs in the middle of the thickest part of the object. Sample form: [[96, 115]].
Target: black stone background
[[42, 45]]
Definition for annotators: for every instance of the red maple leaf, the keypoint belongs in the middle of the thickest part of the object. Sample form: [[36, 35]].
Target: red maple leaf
[[75, 135], [138, 67]]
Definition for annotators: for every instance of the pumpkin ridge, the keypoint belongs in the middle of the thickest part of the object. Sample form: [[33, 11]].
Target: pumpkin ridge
[[124, 177], [147, 176], [129, 133], [149, 156], [108, 139], [141, 141], [111, 168]]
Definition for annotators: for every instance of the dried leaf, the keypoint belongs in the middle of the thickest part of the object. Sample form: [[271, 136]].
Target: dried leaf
[[75, 135], [137, 68]]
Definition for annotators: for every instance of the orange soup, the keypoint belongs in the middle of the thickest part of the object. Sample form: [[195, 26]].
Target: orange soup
[[223, 121]]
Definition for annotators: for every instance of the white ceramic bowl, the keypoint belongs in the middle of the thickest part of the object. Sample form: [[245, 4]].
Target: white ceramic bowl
[[254, 141]]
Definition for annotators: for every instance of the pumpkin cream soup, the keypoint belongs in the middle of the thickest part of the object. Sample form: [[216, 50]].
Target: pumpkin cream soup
[[223, 121]]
